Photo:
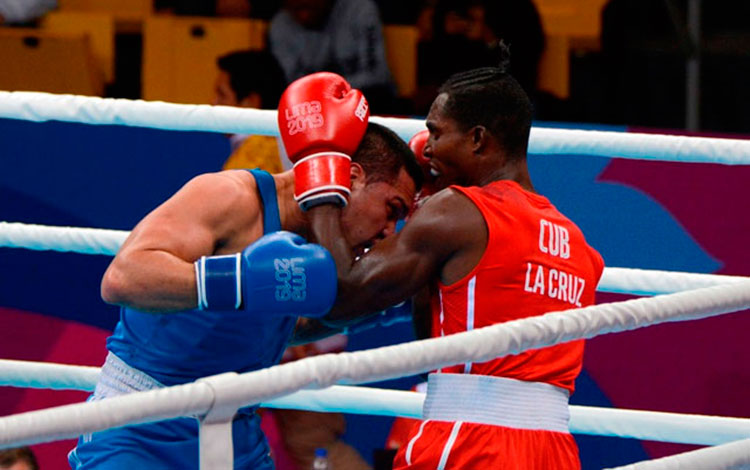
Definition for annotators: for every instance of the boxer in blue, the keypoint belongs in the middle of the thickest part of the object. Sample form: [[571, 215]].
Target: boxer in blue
[[213, 280]]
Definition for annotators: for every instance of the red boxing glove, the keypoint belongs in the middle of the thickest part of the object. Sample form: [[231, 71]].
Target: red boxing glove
[[417, 144], [322, 121]]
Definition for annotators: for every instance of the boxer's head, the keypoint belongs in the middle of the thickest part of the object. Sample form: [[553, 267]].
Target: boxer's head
[[20, 458], [385, 178], [311, 14], [481, 118], [248, 79]]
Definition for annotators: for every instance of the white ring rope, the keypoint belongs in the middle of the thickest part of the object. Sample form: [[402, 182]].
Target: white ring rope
[[40, 107], [634, 424], [154, 114], [731, 456], [658, 426], [31, 374], [89, 241], [383, 363], [107, 242], [656, 282]]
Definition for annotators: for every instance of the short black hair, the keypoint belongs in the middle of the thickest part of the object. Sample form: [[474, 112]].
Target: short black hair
[[9, 457], [491, 97], [252, 71], [382, 154]]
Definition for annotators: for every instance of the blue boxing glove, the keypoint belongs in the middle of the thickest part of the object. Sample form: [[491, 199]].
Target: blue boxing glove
[[279, 274]]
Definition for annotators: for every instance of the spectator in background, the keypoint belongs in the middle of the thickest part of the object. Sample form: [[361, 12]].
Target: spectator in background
[[645, 46], [251, 79], [21, 458], [637, 36], [448, 47], [24, 11], [518, 24], [464, 34], [341, 36]]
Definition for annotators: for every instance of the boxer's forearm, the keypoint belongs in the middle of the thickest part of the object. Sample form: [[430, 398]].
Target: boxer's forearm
[[150, 281], [325, 221]]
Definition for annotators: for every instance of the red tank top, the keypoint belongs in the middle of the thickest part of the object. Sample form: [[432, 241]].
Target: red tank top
[[536, 261]]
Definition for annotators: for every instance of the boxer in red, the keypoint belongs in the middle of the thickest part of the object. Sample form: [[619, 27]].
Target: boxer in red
[[489, 249]]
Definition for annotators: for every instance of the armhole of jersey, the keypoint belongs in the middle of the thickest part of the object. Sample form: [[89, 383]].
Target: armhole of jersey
[[491, 238], [267, 192]]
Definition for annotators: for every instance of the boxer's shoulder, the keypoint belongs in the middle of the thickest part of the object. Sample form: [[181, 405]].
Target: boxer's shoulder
[[228, 188], [228, 202]]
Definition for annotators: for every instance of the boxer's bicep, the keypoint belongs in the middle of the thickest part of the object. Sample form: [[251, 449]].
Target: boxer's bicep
[[195, 219], [153, 270], [414, 257]]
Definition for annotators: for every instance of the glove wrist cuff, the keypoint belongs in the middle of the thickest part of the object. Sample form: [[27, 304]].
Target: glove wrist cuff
[[333, 196], [322, 178], [315, 155], [218, 282]]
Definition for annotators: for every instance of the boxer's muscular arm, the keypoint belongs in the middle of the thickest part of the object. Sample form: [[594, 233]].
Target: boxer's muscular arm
[[399, 266], [309, 330], [153, 271]]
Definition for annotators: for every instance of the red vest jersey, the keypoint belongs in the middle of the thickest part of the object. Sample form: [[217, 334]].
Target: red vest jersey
[[536, 261]]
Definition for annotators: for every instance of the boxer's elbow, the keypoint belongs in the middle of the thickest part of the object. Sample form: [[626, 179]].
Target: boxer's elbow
[[115, 288]]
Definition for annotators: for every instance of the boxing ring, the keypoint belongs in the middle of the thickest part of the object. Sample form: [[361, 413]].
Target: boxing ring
[[324, 383]]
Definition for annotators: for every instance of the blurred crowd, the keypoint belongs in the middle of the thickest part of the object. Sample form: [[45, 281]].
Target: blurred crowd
[[636, 74], [344, 36]]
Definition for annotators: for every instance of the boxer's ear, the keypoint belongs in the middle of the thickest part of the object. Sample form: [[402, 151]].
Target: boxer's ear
[[357, 175], [479, 137]]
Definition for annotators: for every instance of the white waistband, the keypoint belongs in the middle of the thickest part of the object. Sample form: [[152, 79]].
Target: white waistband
[[118, 378], [498, 401]]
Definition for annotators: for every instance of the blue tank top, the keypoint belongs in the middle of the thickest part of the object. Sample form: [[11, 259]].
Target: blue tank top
[[180, 347]]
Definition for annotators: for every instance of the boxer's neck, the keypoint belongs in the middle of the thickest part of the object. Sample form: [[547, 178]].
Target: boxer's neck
[[292, 217]]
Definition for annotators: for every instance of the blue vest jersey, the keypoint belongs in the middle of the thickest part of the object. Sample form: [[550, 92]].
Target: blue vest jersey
[[181, 347]]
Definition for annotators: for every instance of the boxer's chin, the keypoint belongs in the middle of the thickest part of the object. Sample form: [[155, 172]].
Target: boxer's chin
[[362, 248], [359, 250]]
